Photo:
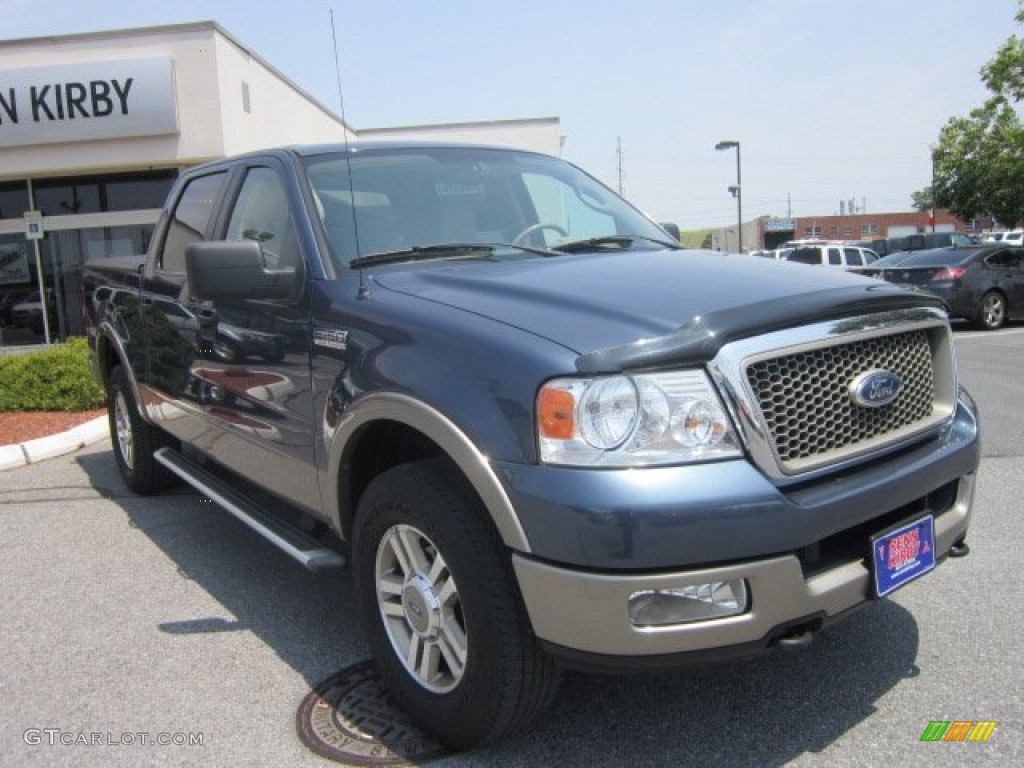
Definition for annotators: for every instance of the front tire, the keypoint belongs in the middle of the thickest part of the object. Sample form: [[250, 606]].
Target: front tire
[[991, 311], [134, 440], [441, 609]]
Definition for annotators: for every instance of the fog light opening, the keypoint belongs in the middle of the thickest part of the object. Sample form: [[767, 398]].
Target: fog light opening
[[685, 605]]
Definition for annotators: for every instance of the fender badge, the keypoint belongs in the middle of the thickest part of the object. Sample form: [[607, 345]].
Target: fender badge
[[875, 388], [330, 338]]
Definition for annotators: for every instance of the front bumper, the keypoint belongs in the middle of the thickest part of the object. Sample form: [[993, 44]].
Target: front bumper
[[583, 613]]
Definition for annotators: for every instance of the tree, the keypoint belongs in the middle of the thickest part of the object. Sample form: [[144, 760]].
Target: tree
[[979, 159], [922, 200]]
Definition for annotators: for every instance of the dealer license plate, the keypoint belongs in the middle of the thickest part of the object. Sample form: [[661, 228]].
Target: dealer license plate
[[900, 556]]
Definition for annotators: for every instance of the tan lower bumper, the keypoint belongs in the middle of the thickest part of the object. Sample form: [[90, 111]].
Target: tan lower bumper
[[588, 611]]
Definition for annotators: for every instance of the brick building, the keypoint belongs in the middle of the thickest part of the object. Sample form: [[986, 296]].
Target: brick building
[[862, 226], [771, 232]]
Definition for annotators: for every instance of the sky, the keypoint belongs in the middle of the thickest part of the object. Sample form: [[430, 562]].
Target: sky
[[830, 100]]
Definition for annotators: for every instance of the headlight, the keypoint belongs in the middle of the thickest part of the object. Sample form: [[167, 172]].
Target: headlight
[[633, 420]]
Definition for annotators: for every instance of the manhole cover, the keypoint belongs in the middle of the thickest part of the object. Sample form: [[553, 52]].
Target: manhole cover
[[351, 719]]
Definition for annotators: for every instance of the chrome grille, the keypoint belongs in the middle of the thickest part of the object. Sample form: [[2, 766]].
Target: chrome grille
[[806, 405]]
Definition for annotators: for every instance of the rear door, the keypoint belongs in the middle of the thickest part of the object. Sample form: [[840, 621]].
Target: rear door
[[1006, 273]]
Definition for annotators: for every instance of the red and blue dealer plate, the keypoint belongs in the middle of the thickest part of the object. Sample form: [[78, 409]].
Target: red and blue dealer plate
[[901, 555]]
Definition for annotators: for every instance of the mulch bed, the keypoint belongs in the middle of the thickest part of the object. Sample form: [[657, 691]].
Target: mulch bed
[[28, 425]]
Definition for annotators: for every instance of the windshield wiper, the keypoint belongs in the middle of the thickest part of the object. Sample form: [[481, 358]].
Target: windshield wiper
[[442, 251], [620, 241], [418, 252]]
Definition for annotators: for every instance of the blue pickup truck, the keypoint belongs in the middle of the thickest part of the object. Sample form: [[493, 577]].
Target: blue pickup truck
[[542, 434]]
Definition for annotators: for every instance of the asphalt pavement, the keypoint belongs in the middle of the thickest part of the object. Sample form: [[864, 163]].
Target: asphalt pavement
[[130, 620]]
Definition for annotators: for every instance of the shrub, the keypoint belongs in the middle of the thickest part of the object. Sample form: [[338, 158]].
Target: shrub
[[54, 379]]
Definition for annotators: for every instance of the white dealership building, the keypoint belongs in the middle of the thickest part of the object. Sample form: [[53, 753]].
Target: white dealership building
[[94, 128]]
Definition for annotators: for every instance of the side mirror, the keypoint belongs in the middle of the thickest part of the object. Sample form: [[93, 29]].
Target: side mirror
[[234, 269]]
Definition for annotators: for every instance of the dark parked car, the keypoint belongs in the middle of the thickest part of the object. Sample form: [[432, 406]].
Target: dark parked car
[[918, 242], [875, 268], [7, 301], [28, 313], [982, 283]]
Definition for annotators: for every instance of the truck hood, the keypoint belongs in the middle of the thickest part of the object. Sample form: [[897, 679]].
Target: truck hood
[[627, 309]]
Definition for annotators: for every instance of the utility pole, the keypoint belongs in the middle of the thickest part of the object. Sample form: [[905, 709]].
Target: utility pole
[[736, 190], [618, 152]]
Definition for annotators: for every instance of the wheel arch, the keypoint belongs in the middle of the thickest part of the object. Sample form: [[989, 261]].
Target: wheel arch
[[109, 352], [383, 430]]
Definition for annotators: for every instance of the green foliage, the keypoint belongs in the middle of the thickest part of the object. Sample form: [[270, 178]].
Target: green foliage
[[979, 164], [1004, 74], [53, 379], [696, 238], [979, 160], [922, 199]]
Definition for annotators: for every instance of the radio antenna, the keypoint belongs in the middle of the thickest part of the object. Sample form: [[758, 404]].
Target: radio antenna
[[337, 74], [363, 291]]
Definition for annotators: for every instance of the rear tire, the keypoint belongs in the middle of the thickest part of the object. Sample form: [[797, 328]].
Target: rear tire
[[135, 440], [441, 610], [991, 311]]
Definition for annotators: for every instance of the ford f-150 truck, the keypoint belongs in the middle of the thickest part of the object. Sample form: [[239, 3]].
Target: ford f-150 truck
[[541, 433]]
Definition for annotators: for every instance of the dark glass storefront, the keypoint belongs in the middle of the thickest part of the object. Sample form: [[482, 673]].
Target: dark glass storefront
[[64, 250]]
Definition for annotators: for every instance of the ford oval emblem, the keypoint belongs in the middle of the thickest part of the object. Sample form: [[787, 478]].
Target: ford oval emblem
[[875, 388]]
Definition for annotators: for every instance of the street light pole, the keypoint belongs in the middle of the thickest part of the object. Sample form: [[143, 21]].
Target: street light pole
[[737, 191]]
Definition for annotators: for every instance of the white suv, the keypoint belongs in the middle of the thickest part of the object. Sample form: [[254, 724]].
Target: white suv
[[829, 254]]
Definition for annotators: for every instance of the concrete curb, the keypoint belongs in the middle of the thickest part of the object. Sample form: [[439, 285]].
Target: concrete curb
[[31, 451]]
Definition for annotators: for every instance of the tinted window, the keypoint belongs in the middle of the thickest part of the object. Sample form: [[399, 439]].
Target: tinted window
[[835, 257], [13, 200], [190, 218], [261, 214], [805, 256], [137, 193], [94, 194], [892, 259], [853, 257], [1004, 260], [943, 257], [62, 197]]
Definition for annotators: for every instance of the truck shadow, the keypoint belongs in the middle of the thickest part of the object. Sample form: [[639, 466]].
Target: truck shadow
[[763, 711]]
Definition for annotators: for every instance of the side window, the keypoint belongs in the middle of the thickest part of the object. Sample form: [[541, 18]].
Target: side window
[[190, 218], [1001, 260], [853, 257], [809, 255], [261, 214], [835, 258]]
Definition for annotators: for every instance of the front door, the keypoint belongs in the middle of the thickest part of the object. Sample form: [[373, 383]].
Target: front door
[[252, 371]]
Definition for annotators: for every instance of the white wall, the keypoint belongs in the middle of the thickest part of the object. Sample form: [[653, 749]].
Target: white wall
[[538, 134], [280, 113], [200, 136], [209, 67]]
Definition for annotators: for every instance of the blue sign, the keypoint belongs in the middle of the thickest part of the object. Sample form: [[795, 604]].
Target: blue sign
[[904, 554]]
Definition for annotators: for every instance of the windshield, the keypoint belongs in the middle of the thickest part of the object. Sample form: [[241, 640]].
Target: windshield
[[391, 201], [892, 259], [941, 257]]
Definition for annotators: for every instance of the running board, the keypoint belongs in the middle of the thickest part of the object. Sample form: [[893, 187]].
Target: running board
[[297, 543]]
